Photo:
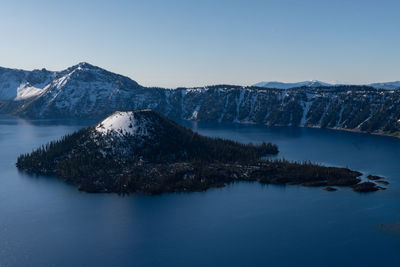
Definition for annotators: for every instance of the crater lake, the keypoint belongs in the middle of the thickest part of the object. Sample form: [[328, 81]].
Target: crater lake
[[47, 222]]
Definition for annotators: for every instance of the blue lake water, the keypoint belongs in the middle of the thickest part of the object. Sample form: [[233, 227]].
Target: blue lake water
[[46, 222]]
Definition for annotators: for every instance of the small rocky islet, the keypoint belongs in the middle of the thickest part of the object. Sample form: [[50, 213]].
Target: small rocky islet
[[374, 177], [144, 152]]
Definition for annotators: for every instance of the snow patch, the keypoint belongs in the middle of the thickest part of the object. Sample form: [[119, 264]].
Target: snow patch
[[195, 113], [306, 109], [122, 123], [26, 91]]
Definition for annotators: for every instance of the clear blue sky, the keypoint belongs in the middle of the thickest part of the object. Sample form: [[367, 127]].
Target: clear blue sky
[[193, 43]]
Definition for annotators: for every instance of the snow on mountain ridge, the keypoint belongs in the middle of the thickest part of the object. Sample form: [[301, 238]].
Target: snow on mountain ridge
[[25, 91], [80, 89], [387, 85], [314, 83], [21, 84], [283, 85]]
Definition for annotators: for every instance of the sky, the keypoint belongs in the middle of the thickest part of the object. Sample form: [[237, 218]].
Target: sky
[[172, 43]]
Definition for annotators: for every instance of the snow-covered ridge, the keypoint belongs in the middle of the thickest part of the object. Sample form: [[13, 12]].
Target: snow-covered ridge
[[91, 86], [386, 85], [122, 123], [283, 85], [21, 84], [314, 83], [86, 91]]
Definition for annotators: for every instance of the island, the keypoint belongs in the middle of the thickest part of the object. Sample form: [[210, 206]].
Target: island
[[144, 152]]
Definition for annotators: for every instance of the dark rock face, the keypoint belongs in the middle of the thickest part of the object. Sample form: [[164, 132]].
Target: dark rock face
[[383, 182], [366, 187], [374, 177], [330, 189]]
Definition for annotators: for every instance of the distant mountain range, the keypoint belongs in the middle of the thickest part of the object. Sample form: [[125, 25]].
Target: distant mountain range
[[87, 91], [314, 83], [282, 85], [21, 84]]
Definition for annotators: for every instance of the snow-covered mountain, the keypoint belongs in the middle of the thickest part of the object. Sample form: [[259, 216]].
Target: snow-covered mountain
[[85, 88], [88, 91], [386, 85], [81, 90], [80, 82], [282, 85], [315, 83]]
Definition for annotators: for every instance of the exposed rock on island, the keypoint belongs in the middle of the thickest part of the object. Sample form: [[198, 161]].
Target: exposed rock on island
[[366, 187], [374, 177], [330, 189]]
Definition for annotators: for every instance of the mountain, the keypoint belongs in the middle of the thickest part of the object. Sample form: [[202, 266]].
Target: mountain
[[282, 85], [357, 108], [143, 151], [79, 90], [87, 91], [314, 83], [387, 85], [146, 135]]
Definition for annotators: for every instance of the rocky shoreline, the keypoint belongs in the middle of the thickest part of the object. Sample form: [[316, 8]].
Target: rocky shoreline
[[157, 178]]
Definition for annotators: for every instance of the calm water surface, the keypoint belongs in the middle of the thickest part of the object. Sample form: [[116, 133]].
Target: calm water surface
[[46, 222]]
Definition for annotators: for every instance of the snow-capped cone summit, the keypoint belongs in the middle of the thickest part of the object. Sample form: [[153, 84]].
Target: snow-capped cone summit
[[126, 123], [138, 128]]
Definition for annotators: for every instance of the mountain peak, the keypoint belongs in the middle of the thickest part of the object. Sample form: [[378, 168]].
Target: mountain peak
[[84, 65], [122, 123]]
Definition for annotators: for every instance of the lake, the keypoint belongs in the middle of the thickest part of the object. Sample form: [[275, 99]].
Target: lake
[[47, 222]]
